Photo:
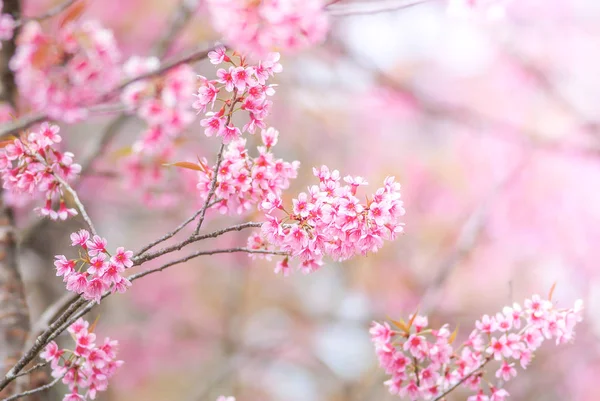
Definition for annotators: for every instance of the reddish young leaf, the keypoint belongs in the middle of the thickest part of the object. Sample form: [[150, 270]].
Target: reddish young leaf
[[188, 165]]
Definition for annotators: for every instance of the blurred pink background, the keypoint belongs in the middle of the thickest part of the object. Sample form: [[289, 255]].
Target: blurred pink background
[[490, 124]]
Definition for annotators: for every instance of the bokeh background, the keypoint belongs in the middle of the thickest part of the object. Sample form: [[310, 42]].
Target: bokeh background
[[490, 123]]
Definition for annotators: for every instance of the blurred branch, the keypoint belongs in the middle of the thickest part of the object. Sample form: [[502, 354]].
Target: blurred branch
[[469, 234], [27, 121], [139, 258], [179, 20], [458, 113], [364, 8], [54, 11]]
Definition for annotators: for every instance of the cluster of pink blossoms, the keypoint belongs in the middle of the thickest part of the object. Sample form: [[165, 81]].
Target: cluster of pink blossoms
[[267, 25], [164, 104], [242, 180], [88, 367], [424, 364], [7, 25], [63, 72], [249, 91], [331, 220], [31, 164], [95, 270]]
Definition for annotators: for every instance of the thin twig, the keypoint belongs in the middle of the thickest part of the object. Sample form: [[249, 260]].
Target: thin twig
[[204, 253], [139, 259], [174, 232], [35, 390], [69, 316], [213, 186], [90, 304], [461, 381], [35, 367], [371, 7], [179, 20], [78, 203], [469, 234], [54, 11]]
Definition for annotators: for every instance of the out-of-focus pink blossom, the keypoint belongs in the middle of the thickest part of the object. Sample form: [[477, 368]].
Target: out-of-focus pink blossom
[[263, 26]]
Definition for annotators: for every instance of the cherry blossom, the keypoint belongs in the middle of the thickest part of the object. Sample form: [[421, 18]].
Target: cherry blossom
[[244, 181], [329, 219], [87, 369], [246, 87], [103, 271], [423, 363], [31, 164]]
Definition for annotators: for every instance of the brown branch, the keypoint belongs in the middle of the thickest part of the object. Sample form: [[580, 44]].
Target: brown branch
[[33, 368], [74, 302], [57, 328], [139, 258], [14, 313], [35, 390], [177, 230]]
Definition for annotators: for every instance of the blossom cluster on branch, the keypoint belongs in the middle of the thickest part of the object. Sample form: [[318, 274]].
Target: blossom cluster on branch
[[244, 181], [31, 164], [87, 368], [95, 270], [331, 220], [246, 86], [424, 364]]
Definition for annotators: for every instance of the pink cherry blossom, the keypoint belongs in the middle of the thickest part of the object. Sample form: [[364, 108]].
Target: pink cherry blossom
[[88, 367], [421, 368], [31, 164], [329, 219], [103, 271]]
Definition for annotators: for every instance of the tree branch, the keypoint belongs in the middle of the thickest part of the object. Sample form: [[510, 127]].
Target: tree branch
[[14, 313], [35, 390]]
